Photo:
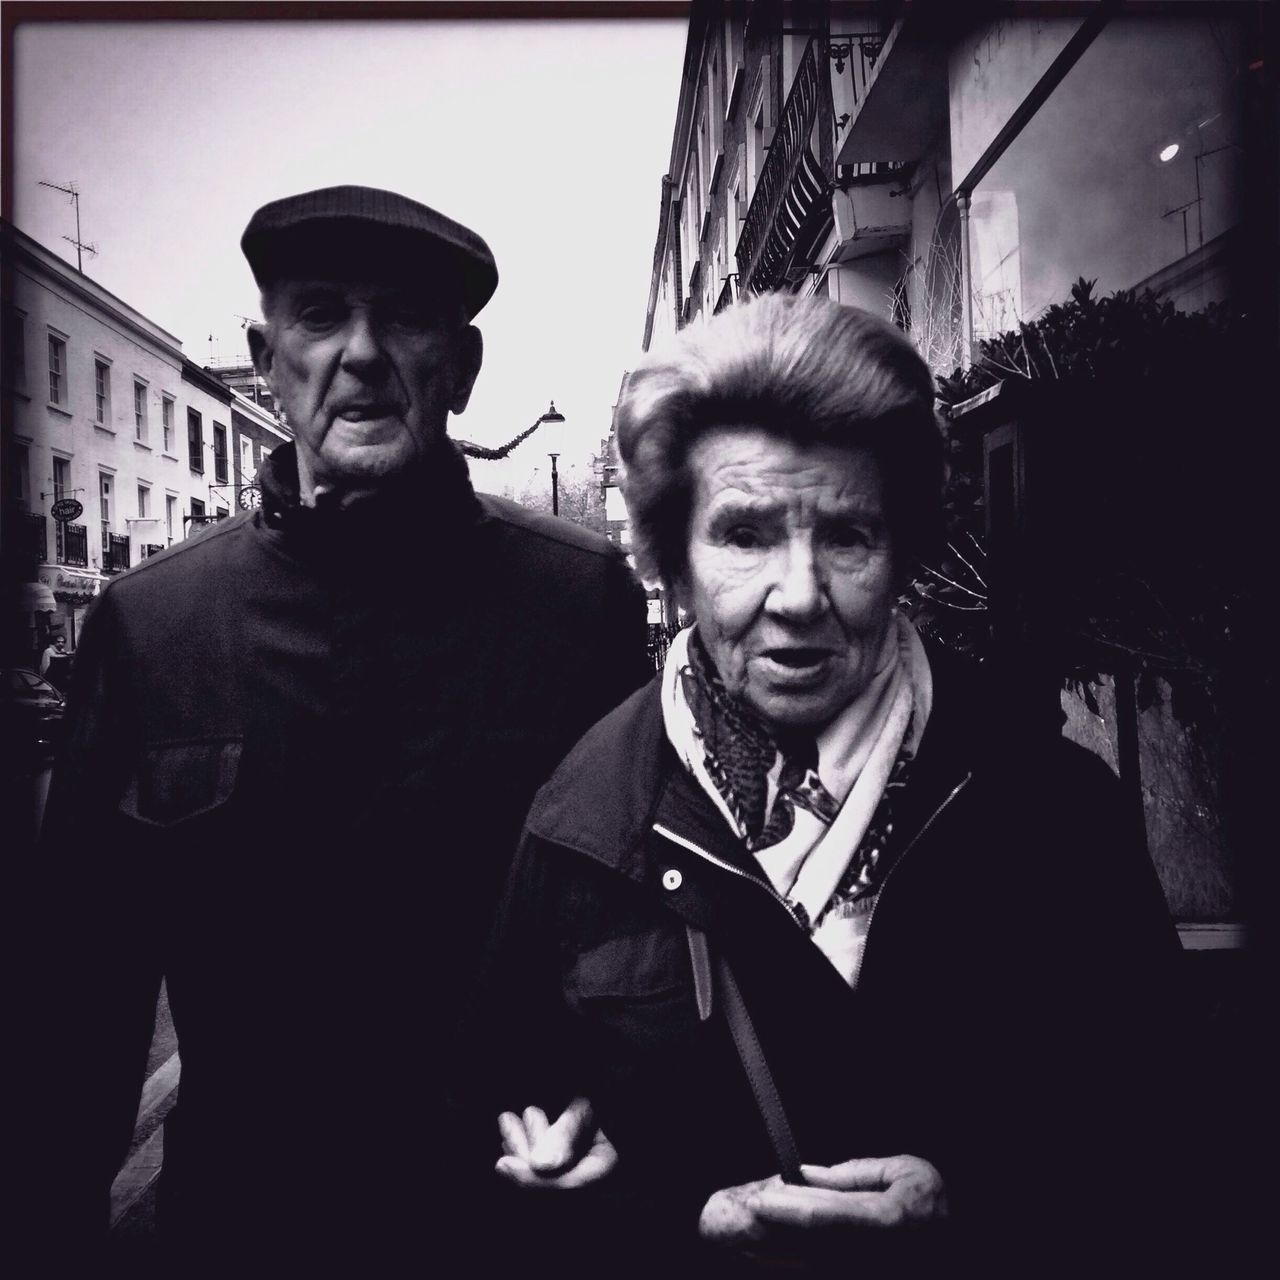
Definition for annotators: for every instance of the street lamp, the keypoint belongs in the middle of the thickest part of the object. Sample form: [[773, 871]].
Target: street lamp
[[473, 450], [555, 485], [552, 416]]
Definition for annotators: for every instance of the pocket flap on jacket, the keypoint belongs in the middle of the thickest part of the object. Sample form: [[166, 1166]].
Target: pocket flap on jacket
[[630, 967], [176, 781]]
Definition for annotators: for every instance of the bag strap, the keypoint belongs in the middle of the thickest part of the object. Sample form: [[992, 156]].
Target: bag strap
[[760, 1078]]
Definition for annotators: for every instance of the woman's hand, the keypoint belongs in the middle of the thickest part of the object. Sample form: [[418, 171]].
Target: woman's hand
[[858, 1196], [561, 1157]]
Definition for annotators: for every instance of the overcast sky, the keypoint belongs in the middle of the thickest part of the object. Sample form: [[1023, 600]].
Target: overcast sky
[[549, 137]]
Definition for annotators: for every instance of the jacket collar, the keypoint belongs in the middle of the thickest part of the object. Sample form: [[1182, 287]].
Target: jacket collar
[[623, 776], [433, 495]]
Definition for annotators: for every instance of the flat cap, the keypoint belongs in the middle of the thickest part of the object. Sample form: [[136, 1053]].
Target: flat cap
[[349, 230]]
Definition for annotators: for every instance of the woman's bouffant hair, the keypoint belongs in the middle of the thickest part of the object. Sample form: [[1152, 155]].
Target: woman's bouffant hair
[[809, 370]]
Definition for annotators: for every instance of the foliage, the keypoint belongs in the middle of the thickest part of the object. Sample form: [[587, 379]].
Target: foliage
[[1125, 336], [1125, 580]]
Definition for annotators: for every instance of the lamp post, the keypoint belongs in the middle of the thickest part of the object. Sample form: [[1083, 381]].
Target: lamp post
[[552, 416]]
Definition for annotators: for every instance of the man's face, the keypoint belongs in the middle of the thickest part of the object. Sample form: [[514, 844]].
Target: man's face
[[366, 373]]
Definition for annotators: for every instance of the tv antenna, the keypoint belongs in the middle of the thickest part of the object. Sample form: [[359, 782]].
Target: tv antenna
[[81, 245]]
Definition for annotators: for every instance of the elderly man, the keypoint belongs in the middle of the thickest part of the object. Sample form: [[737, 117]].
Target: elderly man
[[300, 748]]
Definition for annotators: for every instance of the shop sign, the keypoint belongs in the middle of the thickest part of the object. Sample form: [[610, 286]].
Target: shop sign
[[65, 510], [73, 588]]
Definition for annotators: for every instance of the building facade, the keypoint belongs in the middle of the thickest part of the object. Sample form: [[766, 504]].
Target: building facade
[[104, 415], [956, 169], [953, 171]]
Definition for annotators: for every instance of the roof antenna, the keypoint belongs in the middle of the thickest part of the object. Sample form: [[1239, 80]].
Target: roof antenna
[[82, 246]]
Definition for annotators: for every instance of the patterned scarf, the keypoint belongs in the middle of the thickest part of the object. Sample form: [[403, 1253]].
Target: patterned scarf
[[762, 780]]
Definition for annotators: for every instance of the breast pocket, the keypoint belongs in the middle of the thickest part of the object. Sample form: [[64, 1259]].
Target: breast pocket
[[178, 782], [638, 986]]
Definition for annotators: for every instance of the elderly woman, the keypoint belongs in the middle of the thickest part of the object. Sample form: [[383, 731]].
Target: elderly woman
[[835, 945]]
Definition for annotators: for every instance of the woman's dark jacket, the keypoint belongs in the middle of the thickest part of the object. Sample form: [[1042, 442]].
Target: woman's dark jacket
[[1005, 1024], [301, 745]]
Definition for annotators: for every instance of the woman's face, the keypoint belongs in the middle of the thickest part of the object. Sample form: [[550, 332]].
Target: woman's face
[[790, 571]]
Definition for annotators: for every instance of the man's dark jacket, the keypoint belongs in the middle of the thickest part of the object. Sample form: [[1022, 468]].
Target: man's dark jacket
[[300, 748], [1007, 1024]]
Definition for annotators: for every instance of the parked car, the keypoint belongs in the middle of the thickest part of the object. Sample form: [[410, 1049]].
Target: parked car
[[32, 714]]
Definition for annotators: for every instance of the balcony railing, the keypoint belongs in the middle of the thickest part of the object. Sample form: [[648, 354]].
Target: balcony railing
[[853, 58], [115, 553], [35, 536], [791, 185], [72, 541]]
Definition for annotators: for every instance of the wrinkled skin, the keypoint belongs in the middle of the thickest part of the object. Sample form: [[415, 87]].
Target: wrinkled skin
[[790, 571], [838, 1204], [367, 373]]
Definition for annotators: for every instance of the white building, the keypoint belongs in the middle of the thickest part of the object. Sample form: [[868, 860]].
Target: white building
[[102, 407]]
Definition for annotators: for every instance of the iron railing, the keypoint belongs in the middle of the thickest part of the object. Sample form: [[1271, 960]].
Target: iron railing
[[791, 184], [72, 544], [853, 59], [34, 535], [115, 553]]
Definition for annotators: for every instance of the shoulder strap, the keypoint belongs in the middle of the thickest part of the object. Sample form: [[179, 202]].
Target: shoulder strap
[[768, 1101]]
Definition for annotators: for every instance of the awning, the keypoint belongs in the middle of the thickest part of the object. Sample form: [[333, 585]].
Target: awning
[[36, 597], [71, 586]]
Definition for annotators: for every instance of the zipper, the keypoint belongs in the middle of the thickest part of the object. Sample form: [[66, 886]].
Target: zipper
[[737, 871], [888, 875]]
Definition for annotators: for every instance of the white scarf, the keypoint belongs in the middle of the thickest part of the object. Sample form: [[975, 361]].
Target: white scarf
[[856, 753]]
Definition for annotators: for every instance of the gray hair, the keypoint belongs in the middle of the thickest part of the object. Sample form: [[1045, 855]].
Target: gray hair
[[810, 370]]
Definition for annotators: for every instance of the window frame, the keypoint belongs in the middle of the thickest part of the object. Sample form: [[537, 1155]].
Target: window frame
[[221, 469], [167, 403], [195, 444], [57, 368], [140, 422], [101, 391]]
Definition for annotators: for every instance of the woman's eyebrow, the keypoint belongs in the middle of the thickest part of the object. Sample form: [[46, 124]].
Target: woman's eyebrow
[[741, 507]]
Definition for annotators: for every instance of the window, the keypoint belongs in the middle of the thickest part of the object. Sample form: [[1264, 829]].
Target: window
[[195, 441], [247, 469], [759, 127], [140, 412], [732, 63], [62, 477], [733, 212], [170, 509], [21, 487], [14, 366], [711, 128], [222, 513], [102, 393], [57, 370], [166, 422], [144, 501], [104, 505], [197, 511], [219, 453]]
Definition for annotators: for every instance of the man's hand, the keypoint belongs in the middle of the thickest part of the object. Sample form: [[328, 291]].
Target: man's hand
[[562, 1156], [857, 1196]]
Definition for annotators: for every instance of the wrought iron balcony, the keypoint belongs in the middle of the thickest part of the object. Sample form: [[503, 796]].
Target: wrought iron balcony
[[853, 59], [72, 544], [790, 187], [35, 536], [115, 553]]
